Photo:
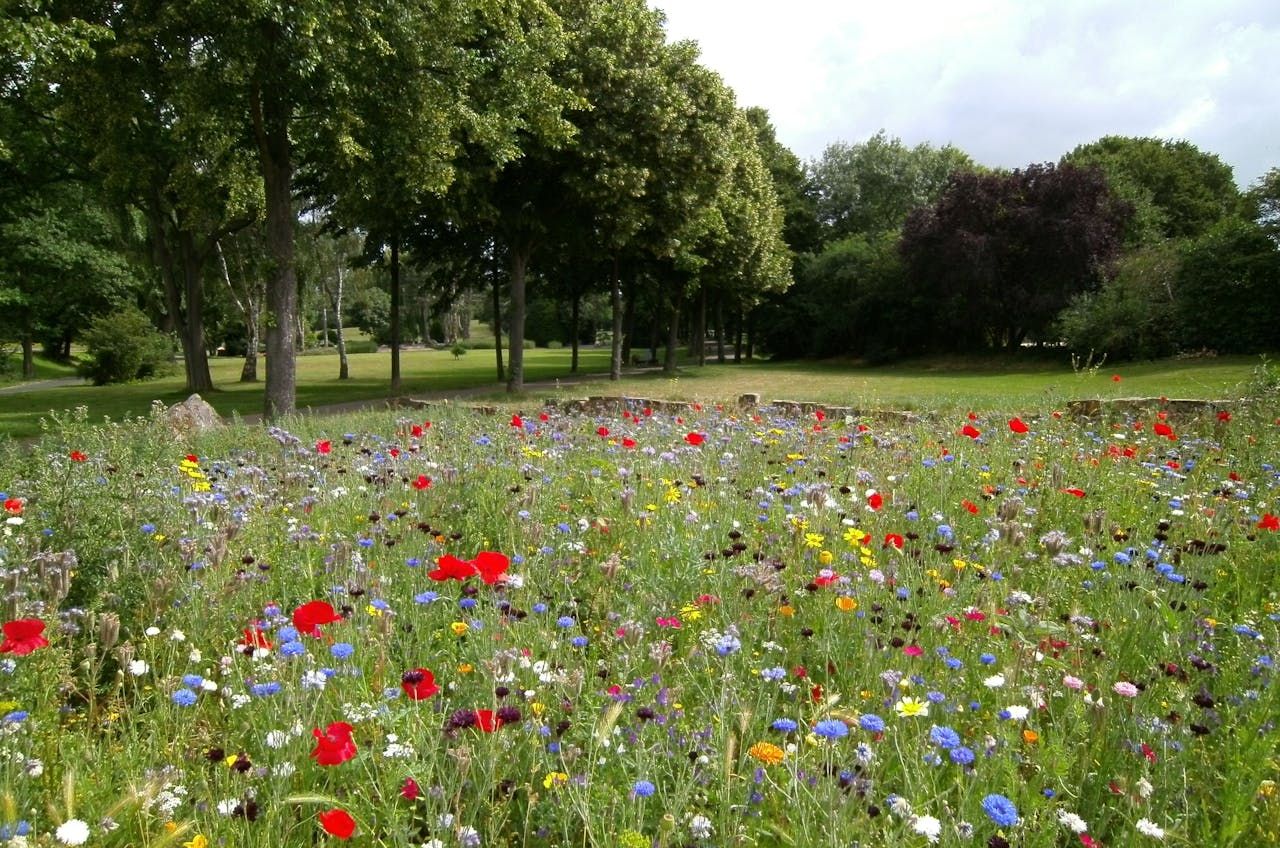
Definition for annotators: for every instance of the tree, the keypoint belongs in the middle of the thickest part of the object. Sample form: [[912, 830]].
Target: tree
[[795, 189], [1176, 190], [1263, 202], [1227, 290], [872, 186], [1001, 254]]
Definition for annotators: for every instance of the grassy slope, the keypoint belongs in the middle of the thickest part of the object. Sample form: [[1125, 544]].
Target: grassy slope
[[46, 369], [981, 384]]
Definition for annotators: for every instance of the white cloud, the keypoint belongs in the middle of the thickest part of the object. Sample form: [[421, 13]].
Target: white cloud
[[1010, 82]]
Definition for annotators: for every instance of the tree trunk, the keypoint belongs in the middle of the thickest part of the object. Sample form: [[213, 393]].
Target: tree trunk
[[575, 321], [515, 360], [737, 336], [324, 325], [497, 317], [271, 125], [751, 336], [720, 329], [250, 307], [673, 336], [426, 322], [700, 331], [395, 315], [629, 320], [28, 356], [195, 356], [615, 303], [344, 368]]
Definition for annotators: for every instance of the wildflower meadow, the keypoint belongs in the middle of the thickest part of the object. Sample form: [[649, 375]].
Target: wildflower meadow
[[709, 626]]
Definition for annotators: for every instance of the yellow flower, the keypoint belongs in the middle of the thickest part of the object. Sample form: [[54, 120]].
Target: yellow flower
[[786, 610], [844, 603], [554, 779], [767, 753], [538, 708], [466, 668], [459, 628], [690, 612], [672, 495], [813, 540], [911, 707], [197, 841], [373, 611], [1030, 736], [854, 536], [826, 558]]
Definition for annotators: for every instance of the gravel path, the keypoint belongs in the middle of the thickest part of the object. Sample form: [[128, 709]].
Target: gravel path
[[40, 385]]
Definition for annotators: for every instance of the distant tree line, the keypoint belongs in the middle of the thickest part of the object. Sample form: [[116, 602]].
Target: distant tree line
[[1128, 247], [262, 177]]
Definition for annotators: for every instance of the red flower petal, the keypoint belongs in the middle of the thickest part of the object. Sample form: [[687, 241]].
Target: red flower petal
[[308, 617], [893, 540], [487, 721], [875, 500], [1075, 493], [970, 431], [491, 565], [1017, 425], [338, 823], [419, 684], [22, 636], [324, 446], [695, 439], [334, 745], [423, 482]]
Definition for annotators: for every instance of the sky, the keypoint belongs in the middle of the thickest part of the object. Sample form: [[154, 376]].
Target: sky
[[1010, 82]]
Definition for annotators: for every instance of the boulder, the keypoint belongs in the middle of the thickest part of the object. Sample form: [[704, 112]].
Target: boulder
[[193, 415]]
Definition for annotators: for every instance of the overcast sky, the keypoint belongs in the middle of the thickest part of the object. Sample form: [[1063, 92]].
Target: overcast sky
[[1010, 82]]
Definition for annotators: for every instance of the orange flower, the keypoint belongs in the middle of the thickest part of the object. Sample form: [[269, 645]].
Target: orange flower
[[1030, 736], [767, 753]]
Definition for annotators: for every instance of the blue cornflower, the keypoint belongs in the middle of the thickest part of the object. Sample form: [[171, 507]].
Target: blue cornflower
[[944, 737], [287, 634], [293, 649], [539, 607], [565, 621], [195, 681], [184, 697], [784, 725], [15, 717], [1000, 810], [871, 723], [954, 663], [643, 789], [342, 650], [961, 756], [987, 659], [425, 597], [578, 641], [775, 673], [148, 528], [831, 728], [413, 562], [467, 603], [379, 604], [265, 690]]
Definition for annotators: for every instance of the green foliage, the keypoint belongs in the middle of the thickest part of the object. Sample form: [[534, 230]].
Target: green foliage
[[872, 186], [123, 346], [543, 322], [848, 301], [1133, 314], [1228, 290], [1176, 189]]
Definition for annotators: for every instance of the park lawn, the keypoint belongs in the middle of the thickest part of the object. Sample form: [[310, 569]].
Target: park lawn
[[942, 383], [938, 383], [46, 369], [422, 372]]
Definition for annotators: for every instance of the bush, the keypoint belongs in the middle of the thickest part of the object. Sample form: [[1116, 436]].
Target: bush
[[1228, 290], [124, 346], [1132, 316]]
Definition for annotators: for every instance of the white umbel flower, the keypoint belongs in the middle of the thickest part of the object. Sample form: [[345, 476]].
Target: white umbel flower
[[72, 832]]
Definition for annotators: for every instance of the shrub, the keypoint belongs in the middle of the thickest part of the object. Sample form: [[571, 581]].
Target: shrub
[[1132, 316], [124, 346]]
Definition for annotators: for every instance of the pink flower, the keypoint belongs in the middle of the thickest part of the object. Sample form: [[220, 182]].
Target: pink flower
[[1125, 689], [1072, 682]]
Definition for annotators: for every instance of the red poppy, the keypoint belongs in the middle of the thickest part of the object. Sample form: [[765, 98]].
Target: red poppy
[[1017, 425], [1268, 522], [491, 565], [395, 453], [695, 439], [1223, 415], [419, 684], [1075, 493], [22, 636], [875, 500], [647, 412], [517, 421], [893, 540], [334, 744], [449, 567], [324, 446], [826, 579], [416, 431], [338, 823], [423, 482], [487, 721], [602, 432], [820, 415], [192, 458], [255, 637], [1162, 429], [1115, 378], [14, 506], [410, 790], [308, 617], [77, 456], [543, 417], [970, 506], [628, 443]]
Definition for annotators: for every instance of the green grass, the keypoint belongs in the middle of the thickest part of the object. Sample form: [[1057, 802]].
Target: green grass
[[46, 369], [423, 371], [934, 383]]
